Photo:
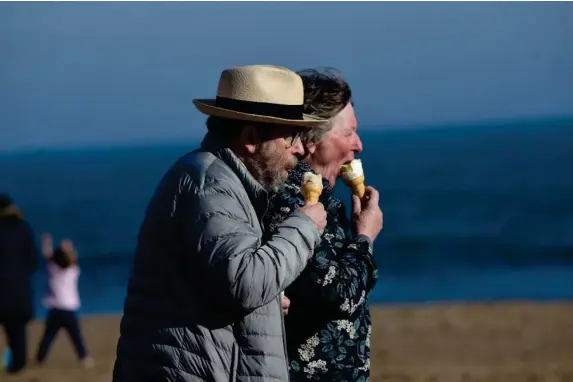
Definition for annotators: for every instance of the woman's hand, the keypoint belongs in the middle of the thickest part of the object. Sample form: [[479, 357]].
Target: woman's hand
[[286, 304], [367, 217]]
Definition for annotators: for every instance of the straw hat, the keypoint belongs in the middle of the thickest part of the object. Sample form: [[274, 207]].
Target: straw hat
[[260, 93]]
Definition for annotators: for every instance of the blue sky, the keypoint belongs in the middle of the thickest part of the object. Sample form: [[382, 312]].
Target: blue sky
[[97, 73]]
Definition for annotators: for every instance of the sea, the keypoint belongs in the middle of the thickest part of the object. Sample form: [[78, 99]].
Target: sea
[[481, 212]]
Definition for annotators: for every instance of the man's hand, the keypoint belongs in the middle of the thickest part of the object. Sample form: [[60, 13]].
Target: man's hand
[[286, 304], [367, 218], [317, 214]]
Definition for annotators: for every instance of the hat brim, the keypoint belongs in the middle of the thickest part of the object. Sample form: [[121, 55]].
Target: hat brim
[[207, 106]]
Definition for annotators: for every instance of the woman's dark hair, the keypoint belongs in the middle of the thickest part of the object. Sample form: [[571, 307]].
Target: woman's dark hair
[[326, 93]]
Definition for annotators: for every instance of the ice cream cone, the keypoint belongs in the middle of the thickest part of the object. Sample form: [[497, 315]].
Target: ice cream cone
[[357, 186], [311, 187], [311, 195], [353, 175]]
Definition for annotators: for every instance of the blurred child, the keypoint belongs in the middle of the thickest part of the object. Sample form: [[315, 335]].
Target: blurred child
[[62, 299]]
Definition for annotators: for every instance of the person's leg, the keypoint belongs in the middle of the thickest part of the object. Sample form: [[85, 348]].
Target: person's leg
[[72, 326], [16, 334], [52, 326]]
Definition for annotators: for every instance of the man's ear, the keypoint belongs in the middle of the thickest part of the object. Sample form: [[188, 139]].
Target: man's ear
[[249, 138]]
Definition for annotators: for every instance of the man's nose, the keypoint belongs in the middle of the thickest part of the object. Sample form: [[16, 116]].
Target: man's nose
[[297, 149]]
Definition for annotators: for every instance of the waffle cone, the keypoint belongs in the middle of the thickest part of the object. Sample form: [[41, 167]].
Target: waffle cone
[[311, 193], [357, 186]]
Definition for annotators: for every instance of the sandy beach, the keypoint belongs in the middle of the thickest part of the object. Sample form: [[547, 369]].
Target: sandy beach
[[497, 342]]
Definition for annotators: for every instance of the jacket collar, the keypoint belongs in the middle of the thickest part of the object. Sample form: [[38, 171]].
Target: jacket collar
[[256, 192]]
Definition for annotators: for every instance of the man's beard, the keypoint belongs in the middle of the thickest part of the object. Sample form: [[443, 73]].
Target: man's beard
[[267, 166]]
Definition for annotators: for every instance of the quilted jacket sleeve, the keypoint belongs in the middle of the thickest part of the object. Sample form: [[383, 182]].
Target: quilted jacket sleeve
[[237, 265]]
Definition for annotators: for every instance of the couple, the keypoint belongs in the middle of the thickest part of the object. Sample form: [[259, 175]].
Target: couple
[[224, 235]]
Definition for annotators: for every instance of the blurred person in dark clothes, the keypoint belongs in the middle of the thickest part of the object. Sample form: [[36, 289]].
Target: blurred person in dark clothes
[[18, 261]]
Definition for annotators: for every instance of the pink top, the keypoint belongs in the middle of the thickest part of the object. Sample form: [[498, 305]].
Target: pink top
[[62, 287]]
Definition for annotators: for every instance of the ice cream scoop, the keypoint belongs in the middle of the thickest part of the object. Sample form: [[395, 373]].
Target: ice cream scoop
[[311, 187], [353, 175]]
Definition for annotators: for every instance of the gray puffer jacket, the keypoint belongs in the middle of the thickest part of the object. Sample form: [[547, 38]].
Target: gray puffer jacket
[[203, 301]]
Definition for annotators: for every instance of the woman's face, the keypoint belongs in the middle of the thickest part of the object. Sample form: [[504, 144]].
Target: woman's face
[[337, 147]]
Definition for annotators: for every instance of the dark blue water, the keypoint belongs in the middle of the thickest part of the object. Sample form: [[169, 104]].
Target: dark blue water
[[471, 213]]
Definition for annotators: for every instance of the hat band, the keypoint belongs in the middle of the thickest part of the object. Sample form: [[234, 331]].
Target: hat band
[[293, 112]]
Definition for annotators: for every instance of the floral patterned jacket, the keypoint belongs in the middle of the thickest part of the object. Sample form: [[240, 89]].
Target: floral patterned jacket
[[328, 325]]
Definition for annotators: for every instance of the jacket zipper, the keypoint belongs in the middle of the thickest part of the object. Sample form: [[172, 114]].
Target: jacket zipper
[[235, 361], [284, 331], [279, 297]]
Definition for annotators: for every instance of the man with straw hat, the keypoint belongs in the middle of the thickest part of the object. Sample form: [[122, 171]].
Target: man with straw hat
[[204, 298]]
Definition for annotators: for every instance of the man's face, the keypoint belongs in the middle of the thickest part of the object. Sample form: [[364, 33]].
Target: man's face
[[276, 154]]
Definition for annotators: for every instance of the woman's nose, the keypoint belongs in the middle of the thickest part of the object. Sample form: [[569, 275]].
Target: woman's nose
[[357, 144]]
